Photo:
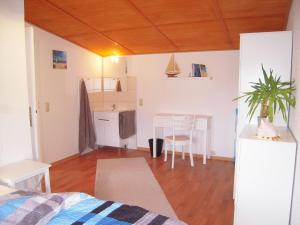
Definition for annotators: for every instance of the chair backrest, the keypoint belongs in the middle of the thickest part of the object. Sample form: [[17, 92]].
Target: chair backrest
[[183, 122]]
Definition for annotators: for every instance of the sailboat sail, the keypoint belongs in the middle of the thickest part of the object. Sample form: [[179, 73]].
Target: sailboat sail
[[172, 68]]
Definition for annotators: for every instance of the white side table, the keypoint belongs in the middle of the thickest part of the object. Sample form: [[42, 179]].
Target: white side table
[[20, 171]]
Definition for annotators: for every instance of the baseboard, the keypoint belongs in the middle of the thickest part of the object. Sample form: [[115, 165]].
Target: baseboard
[[220, 158], [86, 151], [196, 155], [61, 161]]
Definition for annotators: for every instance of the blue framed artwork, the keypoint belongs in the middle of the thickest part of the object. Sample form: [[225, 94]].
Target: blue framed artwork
[[59, 59]]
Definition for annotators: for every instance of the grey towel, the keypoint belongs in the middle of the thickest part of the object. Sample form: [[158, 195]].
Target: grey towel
[[126, 124], [87, 136]]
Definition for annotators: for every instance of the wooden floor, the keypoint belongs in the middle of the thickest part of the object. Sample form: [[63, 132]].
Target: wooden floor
[[200, 196]]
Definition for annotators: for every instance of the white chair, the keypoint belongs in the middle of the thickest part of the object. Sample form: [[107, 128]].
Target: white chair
[[182, 133]]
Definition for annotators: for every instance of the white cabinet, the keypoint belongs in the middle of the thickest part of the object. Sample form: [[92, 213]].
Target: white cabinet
[[107, 128], [264, 174], [274, 51]]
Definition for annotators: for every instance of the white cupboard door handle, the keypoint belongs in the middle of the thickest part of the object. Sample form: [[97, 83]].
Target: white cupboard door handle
[[103, 119]]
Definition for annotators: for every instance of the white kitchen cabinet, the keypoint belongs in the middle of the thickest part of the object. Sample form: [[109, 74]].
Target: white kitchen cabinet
[[107, 128], [264, 174]]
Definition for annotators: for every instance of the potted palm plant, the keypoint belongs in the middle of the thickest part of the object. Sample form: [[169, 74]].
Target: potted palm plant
[[272, 95]]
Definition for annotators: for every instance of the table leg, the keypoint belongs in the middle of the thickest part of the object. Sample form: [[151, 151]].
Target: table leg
[[208, 138], [204, 146], [47, 181], [154, 141]]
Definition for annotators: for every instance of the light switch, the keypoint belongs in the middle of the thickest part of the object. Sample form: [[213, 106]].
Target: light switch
[[47, 107], [141, 102]]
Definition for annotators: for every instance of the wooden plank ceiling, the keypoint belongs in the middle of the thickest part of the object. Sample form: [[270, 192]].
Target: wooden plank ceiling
[[120, 27]]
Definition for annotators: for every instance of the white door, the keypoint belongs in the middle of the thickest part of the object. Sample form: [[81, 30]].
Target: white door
[[32, 90]]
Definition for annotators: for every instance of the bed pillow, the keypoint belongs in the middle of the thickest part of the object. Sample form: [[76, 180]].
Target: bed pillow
[[27, 208]]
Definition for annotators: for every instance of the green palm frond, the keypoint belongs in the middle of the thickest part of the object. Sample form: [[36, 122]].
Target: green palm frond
[[277, 95]]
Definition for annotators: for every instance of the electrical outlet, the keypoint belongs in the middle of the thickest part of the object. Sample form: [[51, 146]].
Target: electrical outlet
[[141, 102]]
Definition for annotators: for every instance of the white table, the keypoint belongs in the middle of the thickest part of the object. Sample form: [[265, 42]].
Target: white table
[[202, 122], [20, 171]]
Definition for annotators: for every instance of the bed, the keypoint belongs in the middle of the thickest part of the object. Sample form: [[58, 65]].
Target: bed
[[28, 208]]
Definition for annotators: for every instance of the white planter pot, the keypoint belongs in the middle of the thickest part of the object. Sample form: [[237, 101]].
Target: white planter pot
[[266, 129]]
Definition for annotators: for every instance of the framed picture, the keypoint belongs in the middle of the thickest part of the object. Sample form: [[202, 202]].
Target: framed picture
[[199, 70], [196, 70], [203, 70], [59, 59]]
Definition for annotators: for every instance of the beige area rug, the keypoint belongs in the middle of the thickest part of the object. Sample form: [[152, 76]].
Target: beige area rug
[[131, 181]]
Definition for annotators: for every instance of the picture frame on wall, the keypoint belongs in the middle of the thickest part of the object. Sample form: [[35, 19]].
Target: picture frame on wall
[[199, 70], [196, 70], [59, 59], [203, 71]]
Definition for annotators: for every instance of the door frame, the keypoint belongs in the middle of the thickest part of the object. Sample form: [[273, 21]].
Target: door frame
[[32, 93]]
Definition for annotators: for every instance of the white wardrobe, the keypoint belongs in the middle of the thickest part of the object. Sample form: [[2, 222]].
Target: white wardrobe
[[264, 170], [274, 51]]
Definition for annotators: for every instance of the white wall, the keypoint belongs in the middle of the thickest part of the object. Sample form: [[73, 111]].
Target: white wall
[[294, 25], [15, 142], [60, 88], [203, 96]]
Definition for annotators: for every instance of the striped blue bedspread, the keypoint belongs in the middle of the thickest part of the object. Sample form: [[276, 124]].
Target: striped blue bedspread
[[29, 208]]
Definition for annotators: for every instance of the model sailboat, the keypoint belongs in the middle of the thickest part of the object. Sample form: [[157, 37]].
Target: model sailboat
[[172, 69]]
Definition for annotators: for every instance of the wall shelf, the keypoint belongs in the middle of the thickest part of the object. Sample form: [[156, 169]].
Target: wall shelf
[[188, 78]]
